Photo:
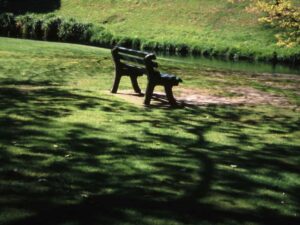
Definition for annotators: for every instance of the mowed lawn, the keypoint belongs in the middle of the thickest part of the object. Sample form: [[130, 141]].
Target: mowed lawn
[[207, 24], [71, 153], [193, 21]]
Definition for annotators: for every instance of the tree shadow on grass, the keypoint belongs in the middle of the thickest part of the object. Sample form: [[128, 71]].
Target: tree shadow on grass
[[25, 6], [76, 173]]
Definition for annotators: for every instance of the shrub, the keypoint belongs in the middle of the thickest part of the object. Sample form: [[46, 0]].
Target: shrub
[[100, 36], [37, 31], [7, 24], [114, 41], [182, 49], [206, 51], [125, 42], [136, 43], [50, 28], [73, 31], [160, 47], [29, 26], [25, 26], [170, 48], [283, 15], [148, 45]]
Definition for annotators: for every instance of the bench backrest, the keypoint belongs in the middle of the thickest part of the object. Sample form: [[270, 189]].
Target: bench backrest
[[142, 62]]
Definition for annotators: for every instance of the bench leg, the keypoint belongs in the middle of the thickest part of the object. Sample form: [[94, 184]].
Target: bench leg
[[170, 97], [135, 84], [149, 92], [116, 83]]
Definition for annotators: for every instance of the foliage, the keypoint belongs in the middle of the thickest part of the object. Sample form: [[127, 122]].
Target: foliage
[[283, 15], [29, 26], [51, 26], [100, 36], [73, 31], [7, 24]]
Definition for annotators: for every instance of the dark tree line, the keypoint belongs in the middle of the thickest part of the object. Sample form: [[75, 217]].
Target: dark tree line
[[23, 6]]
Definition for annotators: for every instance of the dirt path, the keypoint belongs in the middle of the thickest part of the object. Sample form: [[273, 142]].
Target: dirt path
[[197, 97], [237, 96]]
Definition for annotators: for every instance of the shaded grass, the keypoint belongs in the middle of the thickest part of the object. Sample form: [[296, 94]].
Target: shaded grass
[[70, 154]]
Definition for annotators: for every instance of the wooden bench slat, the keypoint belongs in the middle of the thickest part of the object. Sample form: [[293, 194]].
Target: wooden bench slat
[[136, 60], [132, 52], [135, 69], [131, 59]]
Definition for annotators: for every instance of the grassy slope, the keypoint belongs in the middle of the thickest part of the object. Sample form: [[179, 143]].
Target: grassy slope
[[207, 24], [71, 154]]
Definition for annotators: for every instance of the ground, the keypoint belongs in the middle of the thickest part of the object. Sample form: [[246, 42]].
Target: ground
[[195, 97], [72, 153]]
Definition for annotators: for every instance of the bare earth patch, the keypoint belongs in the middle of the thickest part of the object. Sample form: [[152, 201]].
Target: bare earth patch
[[240, 96], [198, 97]]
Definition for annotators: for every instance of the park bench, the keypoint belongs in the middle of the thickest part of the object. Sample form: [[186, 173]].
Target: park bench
[[134, 63]]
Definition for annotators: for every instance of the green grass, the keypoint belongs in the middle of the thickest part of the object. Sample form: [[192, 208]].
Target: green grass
[[71, 154], [210, 28], [200, 24]]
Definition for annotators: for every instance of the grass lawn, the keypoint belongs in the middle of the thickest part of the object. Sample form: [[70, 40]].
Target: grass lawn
[[72, 154], [207, 24], [214, 27]]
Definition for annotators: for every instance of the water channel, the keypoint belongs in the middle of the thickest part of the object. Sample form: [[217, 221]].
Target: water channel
[[240, 65]]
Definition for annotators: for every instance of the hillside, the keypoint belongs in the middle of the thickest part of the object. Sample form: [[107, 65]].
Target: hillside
[[202, 24], [212, 28]]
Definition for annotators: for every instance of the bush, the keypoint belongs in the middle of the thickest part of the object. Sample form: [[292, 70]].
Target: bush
[[206, 51], [29, 26], [283, 15], [37, 29], [125, 42], [50, 28], [25, 25], [100, 37], [136, 43], [196, 50], [182, 49], [114, 41], [170, 48], [7, 24], [73, 31], [148, 45]]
